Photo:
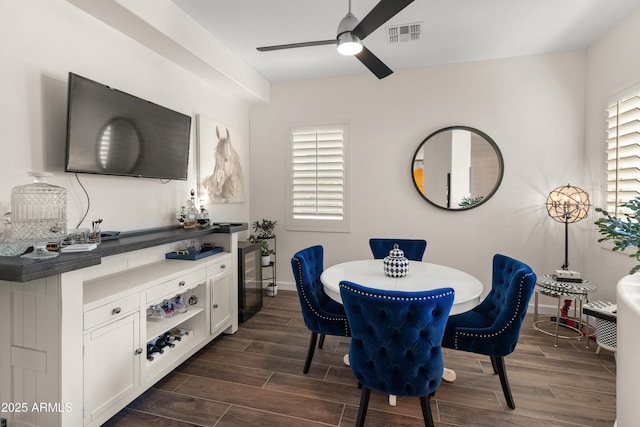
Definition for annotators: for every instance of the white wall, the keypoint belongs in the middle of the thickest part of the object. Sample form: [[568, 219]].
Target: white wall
[[42, 40], [533, 107], [613, 64]]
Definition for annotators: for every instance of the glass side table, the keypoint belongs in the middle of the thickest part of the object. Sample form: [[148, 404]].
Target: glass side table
[[577, 291]]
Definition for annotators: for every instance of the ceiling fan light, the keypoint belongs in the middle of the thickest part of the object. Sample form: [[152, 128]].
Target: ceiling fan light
[[348, 44]]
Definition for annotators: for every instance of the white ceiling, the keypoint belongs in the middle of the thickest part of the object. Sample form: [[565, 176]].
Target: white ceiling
[[452, 31]]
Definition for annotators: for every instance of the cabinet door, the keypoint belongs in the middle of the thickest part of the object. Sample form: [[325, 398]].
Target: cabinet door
[[220, 301], [111, 365]]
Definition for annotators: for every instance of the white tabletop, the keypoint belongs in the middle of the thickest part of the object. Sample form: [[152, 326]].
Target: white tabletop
[[422, 276]]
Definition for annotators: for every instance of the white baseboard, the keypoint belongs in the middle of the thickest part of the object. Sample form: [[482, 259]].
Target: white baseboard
[[547, 310], [286, 286]]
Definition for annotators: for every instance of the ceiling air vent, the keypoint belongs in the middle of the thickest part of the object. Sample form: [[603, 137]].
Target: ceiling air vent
[[404, 33]]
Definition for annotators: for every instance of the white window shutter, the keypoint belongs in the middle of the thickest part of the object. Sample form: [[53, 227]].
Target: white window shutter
[[317, 193], [623, 152]]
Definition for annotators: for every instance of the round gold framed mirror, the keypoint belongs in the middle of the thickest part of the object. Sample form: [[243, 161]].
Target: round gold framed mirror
[[457, 168]]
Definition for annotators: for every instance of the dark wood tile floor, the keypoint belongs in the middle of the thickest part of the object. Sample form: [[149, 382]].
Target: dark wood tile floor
[[254, 378]]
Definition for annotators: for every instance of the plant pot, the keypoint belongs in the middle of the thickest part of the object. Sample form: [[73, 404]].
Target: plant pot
[[272, 290], [266, 260]]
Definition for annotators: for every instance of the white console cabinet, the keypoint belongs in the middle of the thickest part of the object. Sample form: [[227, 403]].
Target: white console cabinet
[[221, 296], [123, 329], [81, 341]]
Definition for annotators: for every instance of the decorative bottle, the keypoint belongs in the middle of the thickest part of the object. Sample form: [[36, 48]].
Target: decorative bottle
[[191, 213], [203, 215]]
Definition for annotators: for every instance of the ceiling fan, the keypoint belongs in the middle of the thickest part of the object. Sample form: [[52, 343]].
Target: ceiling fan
[[351, 32]]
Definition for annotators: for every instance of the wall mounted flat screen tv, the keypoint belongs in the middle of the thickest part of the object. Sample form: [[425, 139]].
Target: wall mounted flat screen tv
[[114, 133]]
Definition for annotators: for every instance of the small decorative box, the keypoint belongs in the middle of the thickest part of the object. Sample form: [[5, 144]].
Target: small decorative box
[[396, 264]]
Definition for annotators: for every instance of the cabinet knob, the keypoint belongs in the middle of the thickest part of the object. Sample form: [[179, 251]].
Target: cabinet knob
[[223, 266], [138, 351], [215, 305], [182, 283], [116, 310]]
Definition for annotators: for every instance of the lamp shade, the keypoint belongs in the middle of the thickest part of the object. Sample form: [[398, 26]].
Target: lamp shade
[[348, 44], [568, 204]]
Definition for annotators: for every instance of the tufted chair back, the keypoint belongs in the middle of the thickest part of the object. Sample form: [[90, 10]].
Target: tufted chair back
[[321, 314], [395, 337], [493, 327], [413, 248]]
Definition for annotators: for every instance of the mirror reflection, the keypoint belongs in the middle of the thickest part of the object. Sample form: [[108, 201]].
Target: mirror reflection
[[119, 146], [457, 168]]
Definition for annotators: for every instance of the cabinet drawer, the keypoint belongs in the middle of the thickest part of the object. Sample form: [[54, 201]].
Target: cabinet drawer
[[219, 267], [175, 286], [112, 311]]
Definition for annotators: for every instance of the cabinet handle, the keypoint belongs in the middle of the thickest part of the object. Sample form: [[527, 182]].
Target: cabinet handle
[[223, 266], [138, 351], [182, 283], [215, 305], [116, 310]]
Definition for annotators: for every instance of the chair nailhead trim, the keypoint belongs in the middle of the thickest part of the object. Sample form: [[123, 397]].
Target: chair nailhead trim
[[395, 298], [495, 334], [306, 299]]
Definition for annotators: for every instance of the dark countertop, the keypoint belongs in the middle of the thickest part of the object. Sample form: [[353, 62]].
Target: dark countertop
[[16, 269]]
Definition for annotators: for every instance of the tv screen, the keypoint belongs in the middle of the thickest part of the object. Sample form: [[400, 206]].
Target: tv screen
[[114, 133]]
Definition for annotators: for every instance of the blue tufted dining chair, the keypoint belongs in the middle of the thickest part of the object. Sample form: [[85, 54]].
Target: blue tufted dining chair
[[413, 248], [492, 328], [396, 341], [321, 314]]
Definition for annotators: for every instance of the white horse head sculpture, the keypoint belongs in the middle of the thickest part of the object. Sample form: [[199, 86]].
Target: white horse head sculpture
[[227, 181]]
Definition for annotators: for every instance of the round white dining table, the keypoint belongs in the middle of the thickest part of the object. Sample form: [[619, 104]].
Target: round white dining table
[[421, 276]]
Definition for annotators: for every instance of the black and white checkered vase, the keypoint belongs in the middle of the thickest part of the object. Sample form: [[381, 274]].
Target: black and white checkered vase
[[396, 265]]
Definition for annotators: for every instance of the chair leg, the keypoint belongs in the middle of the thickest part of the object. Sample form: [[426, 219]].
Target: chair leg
[[493, 364], [426, 411], [502, 372], [312, 347], [364, 404], [321, 342]]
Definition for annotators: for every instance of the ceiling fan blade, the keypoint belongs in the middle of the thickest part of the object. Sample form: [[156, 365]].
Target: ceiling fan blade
[[296, 45], [381, 13], [372, 62]]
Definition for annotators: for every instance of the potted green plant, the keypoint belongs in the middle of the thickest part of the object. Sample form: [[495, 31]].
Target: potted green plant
[[624, 231], [265, 249], [264, 228], [266, 252]]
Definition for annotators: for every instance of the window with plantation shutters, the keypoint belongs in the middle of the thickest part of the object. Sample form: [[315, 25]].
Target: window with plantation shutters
[[318, 179], [623, 150]]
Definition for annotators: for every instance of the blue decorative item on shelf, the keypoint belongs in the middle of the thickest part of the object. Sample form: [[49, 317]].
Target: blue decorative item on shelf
[[396, 264], [193, 256]]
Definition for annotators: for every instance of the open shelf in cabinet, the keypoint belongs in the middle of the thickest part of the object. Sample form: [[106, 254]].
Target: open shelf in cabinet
[[157, 327], [194, 320], [169, 354]]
